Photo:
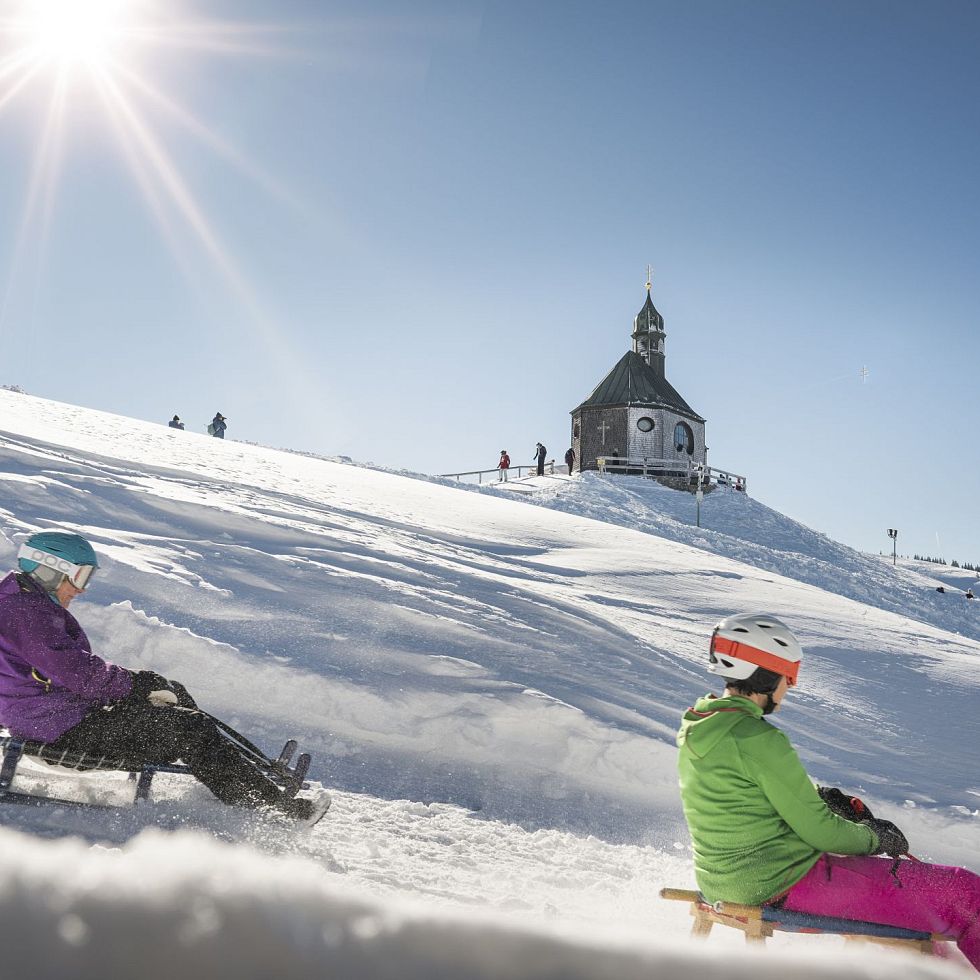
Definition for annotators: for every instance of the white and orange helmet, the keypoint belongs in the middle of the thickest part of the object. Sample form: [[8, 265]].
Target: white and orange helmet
[[742, 644]]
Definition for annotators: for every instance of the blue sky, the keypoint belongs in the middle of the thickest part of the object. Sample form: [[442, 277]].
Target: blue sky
[[435, 237]]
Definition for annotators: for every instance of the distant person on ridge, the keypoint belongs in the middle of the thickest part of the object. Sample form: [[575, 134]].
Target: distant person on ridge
[[570, 460], [175, 423], [217, 426], [503, 466], [969, 594], [53, 689], [539, 454], [763, 833]]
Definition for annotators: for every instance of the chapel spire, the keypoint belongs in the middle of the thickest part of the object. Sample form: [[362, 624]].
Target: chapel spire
[[648, 332]]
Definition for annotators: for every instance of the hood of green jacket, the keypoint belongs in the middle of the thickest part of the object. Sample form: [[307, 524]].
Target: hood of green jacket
[[711, 721]]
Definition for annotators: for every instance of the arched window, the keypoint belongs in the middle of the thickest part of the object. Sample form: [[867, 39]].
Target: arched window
[[684, 438], [645, 424]]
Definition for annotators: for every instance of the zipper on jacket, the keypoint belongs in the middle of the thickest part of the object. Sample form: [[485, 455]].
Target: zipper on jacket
[[41, 679]]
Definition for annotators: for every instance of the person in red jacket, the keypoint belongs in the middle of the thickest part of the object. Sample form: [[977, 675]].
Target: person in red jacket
[[503, 465]]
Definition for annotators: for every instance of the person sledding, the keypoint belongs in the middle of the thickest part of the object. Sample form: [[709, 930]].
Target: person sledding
[[762, 831], [55, 690]]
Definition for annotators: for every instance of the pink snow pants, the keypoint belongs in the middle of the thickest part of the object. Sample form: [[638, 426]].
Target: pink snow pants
[[926, 897]]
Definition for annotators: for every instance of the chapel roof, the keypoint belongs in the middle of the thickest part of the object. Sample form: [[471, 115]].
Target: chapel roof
[[633, 382]]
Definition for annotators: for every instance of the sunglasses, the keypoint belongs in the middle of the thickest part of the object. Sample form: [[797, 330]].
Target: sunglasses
[[78, 575], [724, 647]]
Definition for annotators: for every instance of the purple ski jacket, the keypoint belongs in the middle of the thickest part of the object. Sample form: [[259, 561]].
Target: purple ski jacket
[[49, 677]]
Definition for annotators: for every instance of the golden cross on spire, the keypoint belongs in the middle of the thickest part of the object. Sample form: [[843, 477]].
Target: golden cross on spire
[[649, 276]]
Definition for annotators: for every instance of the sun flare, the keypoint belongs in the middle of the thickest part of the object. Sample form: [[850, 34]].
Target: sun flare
[[110, 58], [75, 32]]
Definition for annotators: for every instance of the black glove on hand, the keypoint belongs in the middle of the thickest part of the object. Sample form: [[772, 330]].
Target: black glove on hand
[[184, 700], [849, 807], [145, 681], [891, 840]]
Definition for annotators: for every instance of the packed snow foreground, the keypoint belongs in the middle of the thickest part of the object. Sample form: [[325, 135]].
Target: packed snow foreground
[[491, 690]]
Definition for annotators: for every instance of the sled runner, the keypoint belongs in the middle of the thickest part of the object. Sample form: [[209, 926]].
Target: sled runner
[[759, 922]]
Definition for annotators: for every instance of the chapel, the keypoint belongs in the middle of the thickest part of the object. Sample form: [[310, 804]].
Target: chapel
[[635, 414]]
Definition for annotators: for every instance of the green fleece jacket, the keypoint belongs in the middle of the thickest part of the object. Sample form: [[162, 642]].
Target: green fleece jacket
[[756, 820]]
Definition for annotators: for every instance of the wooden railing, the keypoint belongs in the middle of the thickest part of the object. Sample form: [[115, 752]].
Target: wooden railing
[[494, 476], [642, 465]]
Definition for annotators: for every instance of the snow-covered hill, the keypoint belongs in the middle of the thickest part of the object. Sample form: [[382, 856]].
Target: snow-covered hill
[[485, 682], [736, 526]]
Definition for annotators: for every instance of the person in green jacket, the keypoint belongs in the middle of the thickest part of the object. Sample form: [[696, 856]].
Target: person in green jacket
[[761, 830]]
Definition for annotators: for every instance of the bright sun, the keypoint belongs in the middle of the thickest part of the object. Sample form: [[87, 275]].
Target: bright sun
[[57, 54], [75, 32]]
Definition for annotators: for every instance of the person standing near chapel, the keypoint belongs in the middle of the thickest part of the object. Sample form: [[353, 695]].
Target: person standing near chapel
[[539, 454], [175, 423], [218, 426], [570, 460], [503, 466]]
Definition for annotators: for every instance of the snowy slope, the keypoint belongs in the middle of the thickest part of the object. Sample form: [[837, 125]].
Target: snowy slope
[[459, 650], [737, 526]]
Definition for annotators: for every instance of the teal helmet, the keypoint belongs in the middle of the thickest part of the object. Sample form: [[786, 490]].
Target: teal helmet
[[49, 555]]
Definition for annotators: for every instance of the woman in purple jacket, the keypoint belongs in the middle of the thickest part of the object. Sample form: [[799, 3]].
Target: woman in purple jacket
[[54, 689]]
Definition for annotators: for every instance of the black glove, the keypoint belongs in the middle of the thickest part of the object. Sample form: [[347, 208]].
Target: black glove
[[184, 700], [147, 682], [849, 807], [891, 840]]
